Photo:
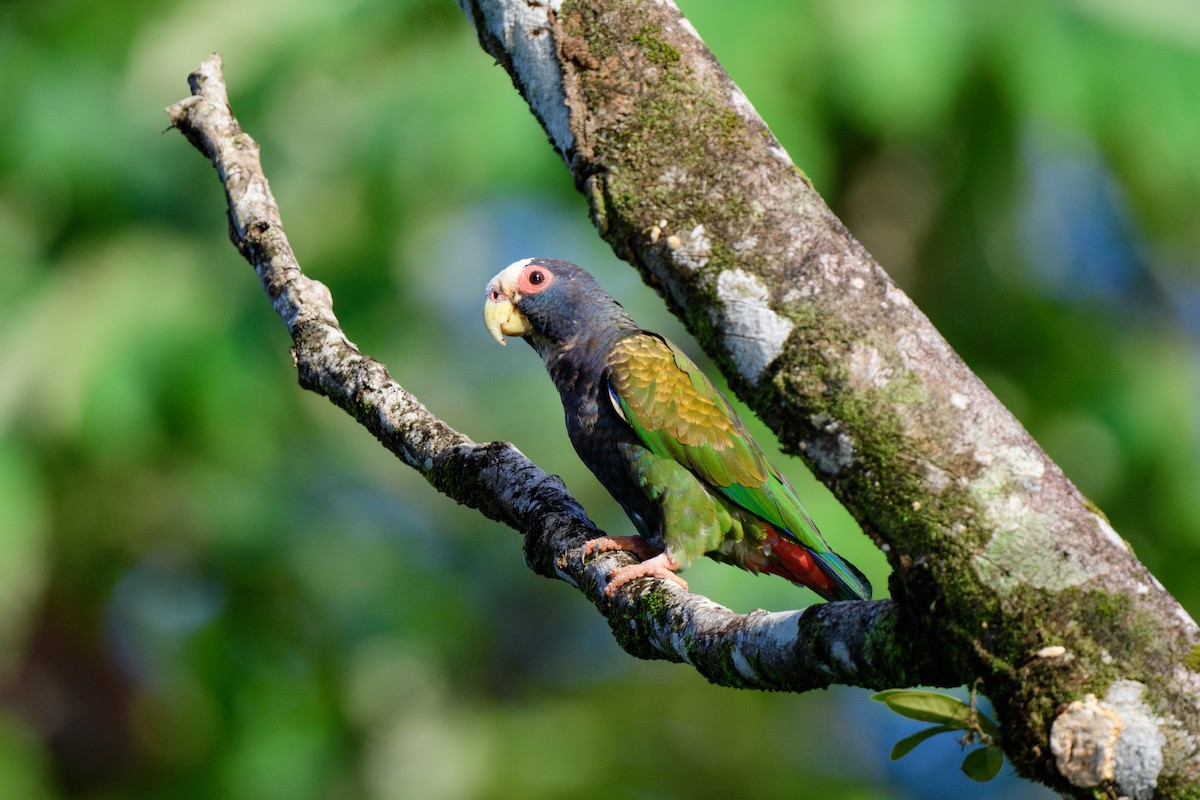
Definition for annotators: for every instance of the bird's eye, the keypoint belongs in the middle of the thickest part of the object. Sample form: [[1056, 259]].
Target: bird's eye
[[536, 278]]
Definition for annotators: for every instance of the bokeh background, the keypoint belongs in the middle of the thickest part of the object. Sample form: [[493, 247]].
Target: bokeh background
[[214, 584]]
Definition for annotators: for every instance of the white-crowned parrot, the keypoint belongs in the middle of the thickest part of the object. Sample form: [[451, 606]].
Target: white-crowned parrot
[[661, 438]]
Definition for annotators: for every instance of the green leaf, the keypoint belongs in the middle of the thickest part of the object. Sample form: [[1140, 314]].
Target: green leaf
[[926, 706], [983, 764], [905, 745]]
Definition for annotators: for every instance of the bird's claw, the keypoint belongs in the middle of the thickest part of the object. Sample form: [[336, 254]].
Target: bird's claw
[[655, 563], [661, 566]]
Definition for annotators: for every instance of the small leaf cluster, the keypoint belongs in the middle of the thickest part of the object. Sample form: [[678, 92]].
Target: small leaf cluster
[[949, 714]]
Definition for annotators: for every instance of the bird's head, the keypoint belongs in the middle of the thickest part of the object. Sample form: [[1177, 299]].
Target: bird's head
[[548, 302]]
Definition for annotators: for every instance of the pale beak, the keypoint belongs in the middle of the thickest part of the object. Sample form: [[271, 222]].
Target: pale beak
[[500, 316]]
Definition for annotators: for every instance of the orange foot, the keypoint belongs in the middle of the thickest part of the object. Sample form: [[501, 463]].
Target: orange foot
[[655, 562]]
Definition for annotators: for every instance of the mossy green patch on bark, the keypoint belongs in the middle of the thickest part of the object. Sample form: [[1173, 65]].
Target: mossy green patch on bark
[[812, 386], [1192, 659], [1106, 638], [650, 620], [661, 142], [634, 629], [649, 38], [650, 629], [1174, 787], [719, 666]]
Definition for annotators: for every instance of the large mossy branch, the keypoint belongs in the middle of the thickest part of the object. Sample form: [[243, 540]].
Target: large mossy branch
[[848, 643], [1000, 564]]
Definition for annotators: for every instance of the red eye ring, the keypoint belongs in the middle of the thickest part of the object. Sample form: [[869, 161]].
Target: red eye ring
[[534, 279]]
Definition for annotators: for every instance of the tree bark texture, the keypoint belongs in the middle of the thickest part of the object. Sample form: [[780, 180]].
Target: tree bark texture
[[1000, 566]]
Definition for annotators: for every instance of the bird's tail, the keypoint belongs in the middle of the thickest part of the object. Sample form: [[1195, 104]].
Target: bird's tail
[[826, 573]]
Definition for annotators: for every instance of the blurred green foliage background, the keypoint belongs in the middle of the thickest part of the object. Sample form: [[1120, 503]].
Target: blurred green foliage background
[[214, 584]]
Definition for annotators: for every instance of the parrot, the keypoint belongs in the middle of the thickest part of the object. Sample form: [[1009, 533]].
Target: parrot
[[661, 438]]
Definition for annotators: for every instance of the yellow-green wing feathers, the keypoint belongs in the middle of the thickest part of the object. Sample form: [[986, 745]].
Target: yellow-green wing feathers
[[679, 414], [691, 433]]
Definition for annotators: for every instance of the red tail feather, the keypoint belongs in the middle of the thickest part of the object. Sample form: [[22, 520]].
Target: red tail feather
[[795, 562]]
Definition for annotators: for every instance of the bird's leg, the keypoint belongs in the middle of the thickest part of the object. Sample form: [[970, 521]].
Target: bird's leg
[[656, 563]]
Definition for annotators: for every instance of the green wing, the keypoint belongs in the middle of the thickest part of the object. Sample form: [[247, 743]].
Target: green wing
[[679, 414]]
